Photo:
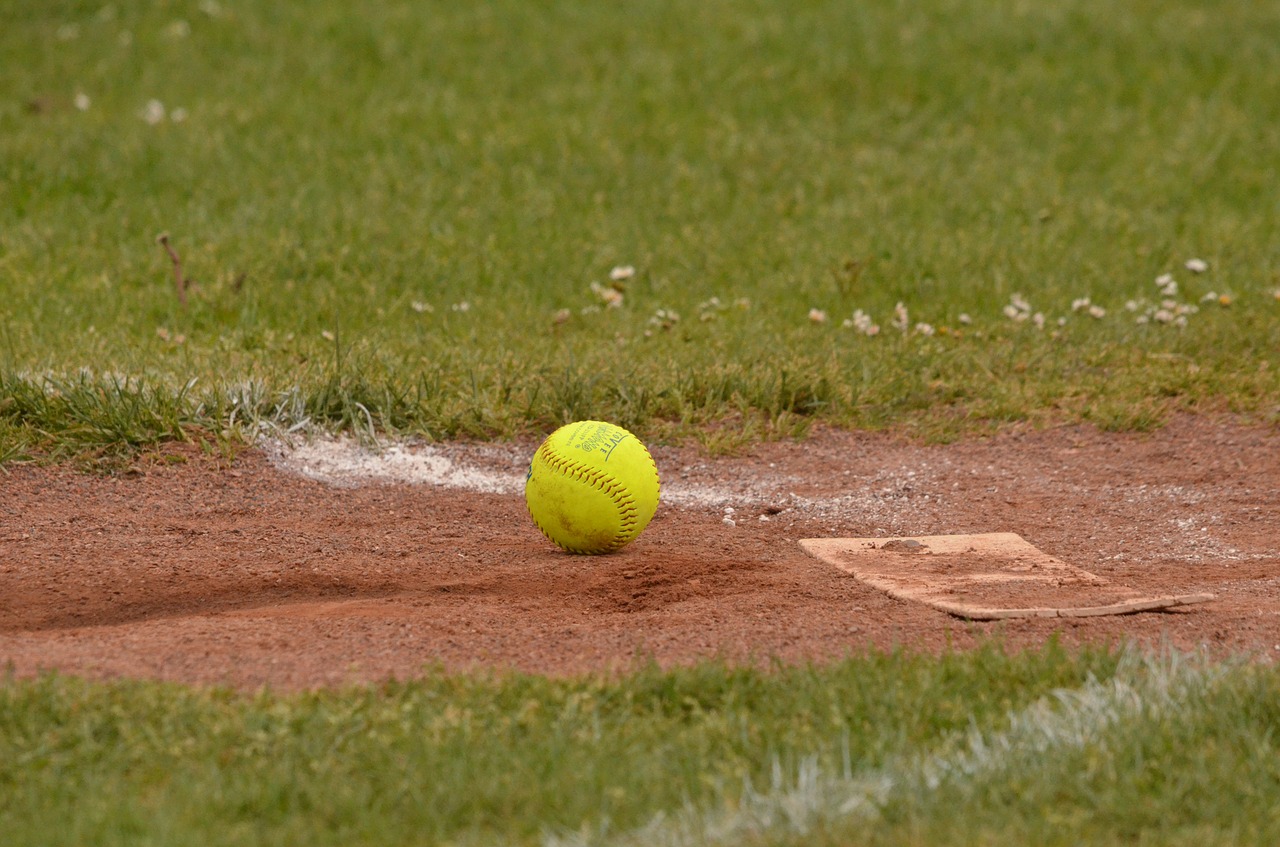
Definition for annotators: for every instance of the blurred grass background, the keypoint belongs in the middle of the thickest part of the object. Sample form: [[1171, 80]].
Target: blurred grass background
[[394, 212]]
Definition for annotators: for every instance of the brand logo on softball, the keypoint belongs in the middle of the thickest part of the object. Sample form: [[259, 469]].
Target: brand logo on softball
[[599, 438]]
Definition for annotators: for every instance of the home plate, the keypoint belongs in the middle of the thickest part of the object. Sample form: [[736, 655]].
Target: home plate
[[985, 577]]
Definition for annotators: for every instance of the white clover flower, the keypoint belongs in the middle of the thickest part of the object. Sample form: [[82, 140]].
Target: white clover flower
[[561, 316], [743, 303], [1038, 320], [924, 329], [420, 307], [861, 322], [1163, 280], [1142, 319], [1062, 321], [1163, 316], [153, 113], [1170, 305], [1018, 309], [817, 316], [965, 319], [709, 310], [1132, 305], [610, 297], [1197, 266], [664, 318], [1180, 320], [901, 319], [1209, 297], [327, 335], [1097, 312], [82, 101], [1080, 304], [462, 306], [622, 272]]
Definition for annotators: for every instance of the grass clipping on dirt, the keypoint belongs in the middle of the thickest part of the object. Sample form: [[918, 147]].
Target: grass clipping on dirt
[[492, 218]]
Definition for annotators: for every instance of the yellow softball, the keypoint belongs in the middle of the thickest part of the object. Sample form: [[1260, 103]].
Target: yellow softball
[[592, 487]]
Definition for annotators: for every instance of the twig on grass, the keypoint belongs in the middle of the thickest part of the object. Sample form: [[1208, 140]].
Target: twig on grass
[[180, 282]]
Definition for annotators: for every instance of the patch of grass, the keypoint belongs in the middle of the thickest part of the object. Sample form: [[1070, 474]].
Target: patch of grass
[[1041, 747], [110, 415], [1174, 754], [473, 759], [393, 214]]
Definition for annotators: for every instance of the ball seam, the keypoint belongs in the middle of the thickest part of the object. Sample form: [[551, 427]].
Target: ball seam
[[609, 485]]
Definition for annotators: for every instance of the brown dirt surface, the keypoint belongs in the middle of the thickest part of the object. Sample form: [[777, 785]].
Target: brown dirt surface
[[253, 574]]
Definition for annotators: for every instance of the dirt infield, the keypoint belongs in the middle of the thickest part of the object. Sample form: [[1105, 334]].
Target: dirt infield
[[254, 573]]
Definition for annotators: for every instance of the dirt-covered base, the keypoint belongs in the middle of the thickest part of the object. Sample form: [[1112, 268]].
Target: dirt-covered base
[[255, 574]]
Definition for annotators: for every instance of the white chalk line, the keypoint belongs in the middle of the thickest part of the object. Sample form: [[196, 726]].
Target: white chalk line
[[344, 462], [893, 500], [1144, 688]]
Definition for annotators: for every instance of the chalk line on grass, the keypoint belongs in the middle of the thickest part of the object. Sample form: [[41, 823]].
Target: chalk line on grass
[[1145, 688]]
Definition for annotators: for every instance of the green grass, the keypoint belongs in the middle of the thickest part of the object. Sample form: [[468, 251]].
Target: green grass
[[1164, 751], [393, 215], [470, 758], [346, 175], [984, 747]]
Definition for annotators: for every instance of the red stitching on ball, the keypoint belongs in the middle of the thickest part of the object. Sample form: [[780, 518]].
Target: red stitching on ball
[[628, 512]]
